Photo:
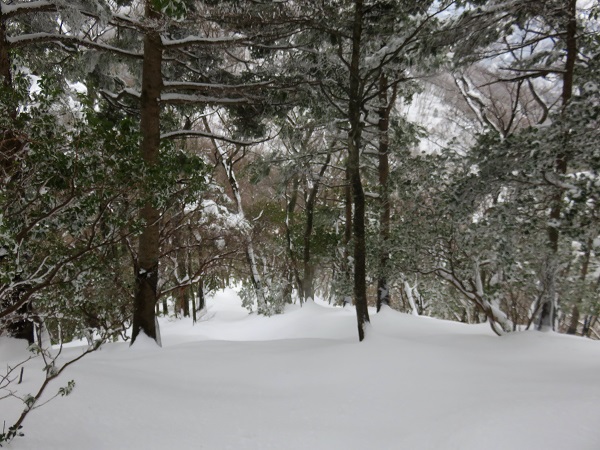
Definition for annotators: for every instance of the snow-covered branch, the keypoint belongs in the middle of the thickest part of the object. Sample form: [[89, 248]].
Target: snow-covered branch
[[214, 87], [44, 38], [197, 133], [182, 99], [494, 314], [201, 41], [11, 11]]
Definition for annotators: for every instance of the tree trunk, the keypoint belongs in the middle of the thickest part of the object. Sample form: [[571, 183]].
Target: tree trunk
[[383, 290], [201, 299], [183, 304], [250, 255], [346, 267], [548, 299], [358, 195], [21, 327], [588, 323], [309, 268], [289, 222], [574, 322], [411, 299], [186, 302], [5, 61], [575, 314], [146, 267], [182, 278], [348, 208]]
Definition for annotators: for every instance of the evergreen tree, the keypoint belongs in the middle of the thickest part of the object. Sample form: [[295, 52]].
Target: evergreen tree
[[541, 43], [368, 53]]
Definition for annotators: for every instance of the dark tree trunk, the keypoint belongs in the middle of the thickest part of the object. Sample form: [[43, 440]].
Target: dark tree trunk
[[358, 195], [201, 300], [20, 327], [309, 273], [310, 215], [574, 322], [575, 314], [181, 261], [288, 288], [588, 323], [183, 304], [308, 269], [194, 309], [383, 290], [5, 61], [547, 306], [348, 208], [146, 267], [289, 223], [186, 303], [346, 267]]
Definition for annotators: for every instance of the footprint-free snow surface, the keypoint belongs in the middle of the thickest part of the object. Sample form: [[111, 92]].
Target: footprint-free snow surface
[[302, 381]]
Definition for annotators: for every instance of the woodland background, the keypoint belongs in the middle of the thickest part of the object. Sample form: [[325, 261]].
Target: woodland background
[[440, 157]]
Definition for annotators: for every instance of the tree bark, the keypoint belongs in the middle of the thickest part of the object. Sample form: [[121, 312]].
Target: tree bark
[[201, 299], [346, 267], [308, 288], [5, 59], [588, 323], [181, 269], [289, 223], [308, 268], [146, 267], [383, 290], [575, 314], [358, 195], [548, 299]]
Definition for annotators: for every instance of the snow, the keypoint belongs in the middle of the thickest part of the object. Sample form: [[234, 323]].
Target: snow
[[41, 37], [302, 380], [187, 98], [202, 40], [12, 9]]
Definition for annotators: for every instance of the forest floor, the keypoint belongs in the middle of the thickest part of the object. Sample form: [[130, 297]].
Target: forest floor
[[301, 380]]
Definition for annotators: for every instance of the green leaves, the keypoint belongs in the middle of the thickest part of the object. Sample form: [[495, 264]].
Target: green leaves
[[66, 390], [13, 432], [175, 9]]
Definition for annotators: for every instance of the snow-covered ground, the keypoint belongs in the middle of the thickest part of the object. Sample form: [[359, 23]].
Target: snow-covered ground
[[301, 380]]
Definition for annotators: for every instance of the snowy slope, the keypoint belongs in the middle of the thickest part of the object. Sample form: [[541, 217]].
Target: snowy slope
[[302, 381]]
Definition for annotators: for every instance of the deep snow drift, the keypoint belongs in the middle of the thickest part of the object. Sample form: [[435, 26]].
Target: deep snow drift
[[302, 381]]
